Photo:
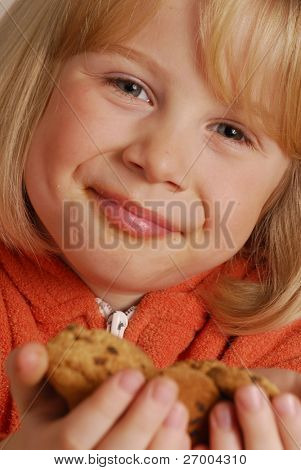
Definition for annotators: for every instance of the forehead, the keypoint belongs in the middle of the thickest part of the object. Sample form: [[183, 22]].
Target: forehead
[[171, 34]]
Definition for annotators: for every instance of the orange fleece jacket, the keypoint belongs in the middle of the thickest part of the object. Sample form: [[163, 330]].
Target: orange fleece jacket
[[39, 300]]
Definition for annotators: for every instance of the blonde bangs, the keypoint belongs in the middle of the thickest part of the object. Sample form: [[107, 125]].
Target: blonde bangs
[[250, 56], [94, 24]]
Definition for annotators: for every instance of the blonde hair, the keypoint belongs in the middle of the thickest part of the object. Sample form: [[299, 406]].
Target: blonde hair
[[37, 36]]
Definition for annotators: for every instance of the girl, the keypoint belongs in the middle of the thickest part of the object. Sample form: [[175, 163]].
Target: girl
[[150, 184]]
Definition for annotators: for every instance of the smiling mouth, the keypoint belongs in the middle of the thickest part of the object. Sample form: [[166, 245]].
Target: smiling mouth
[[127, 219]]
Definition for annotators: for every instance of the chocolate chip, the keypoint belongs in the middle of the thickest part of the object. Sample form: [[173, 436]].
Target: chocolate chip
[[200, 406], [99, 361], [213, 372], [198, 421], [112, 350], [194, 366], [87, 339]]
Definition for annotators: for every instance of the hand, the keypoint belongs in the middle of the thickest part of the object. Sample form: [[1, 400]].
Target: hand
[[267, 427], [123, 413]]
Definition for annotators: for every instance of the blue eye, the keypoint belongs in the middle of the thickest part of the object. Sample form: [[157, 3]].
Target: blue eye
[[132, 90], [234, 134], [126, 87]]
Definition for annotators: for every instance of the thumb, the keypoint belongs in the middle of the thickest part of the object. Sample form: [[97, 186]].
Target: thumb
[[26, 366]]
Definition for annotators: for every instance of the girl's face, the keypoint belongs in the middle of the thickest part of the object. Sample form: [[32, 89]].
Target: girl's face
[[145, 137]]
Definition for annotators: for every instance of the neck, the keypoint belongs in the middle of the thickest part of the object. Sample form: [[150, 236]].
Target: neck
[[117, 300]]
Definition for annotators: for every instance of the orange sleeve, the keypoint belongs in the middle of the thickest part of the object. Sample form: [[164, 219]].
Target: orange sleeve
[[5, 348], [15, 329]]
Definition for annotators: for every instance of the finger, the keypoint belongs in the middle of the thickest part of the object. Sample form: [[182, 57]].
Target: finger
[[26, 367], [91, 419], [172, 435], [256, 419], [144, 417], [224, 428], [201, 447], [287, 408]]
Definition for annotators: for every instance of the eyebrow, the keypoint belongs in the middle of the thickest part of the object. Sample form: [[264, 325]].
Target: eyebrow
[[136, 56]]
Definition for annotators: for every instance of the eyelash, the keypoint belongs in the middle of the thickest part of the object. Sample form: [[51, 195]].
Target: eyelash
[[112, 82]]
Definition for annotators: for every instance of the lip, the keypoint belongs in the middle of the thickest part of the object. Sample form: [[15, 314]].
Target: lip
[[139, 211]]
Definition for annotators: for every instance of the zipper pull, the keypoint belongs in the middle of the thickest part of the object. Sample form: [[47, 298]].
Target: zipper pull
[[117, 323]]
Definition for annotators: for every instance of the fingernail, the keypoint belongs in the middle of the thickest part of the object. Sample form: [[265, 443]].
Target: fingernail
[[131, 380], [223, 417], [286, 405], [177, 417], [163, 391], [250, 398]]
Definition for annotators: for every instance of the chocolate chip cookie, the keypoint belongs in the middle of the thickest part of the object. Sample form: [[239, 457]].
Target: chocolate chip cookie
[[81, 359]]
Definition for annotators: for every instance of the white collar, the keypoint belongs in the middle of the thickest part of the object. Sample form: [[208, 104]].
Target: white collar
[[117, 320]]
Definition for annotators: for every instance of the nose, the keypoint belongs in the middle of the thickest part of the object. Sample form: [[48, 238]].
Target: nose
[[166, 154], [162, 156]]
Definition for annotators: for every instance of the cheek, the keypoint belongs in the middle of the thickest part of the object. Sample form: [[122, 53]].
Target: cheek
[[242, 222], [63, 140], [234, 214]]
